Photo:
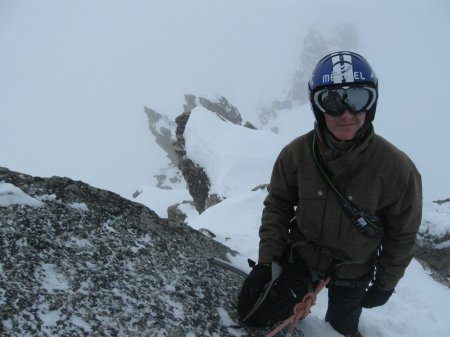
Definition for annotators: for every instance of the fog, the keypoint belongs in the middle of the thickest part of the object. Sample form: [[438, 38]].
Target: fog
[[75, 76]]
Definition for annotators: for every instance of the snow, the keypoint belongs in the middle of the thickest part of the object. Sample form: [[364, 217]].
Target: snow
[[46, 197], [50, 279], [437, 218], [176, 308], [234, 157], [442, 245], [12, 195], [235, 221], [418, 308], [80, 206], [227, 321], [161, 198]]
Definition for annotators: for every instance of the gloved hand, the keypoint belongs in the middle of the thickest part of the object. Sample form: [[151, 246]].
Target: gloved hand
[[253, 287], [375, 296]]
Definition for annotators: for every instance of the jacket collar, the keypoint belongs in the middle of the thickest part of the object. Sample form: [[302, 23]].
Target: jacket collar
[[346, 163]]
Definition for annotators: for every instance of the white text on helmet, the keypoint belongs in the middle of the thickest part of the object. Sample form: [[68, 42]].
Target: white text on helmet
[[357, 75]]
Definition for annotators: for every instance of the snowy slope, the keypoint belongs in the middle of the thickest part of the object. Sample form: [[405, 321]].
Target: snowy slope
[[235, 159], [419, 307]]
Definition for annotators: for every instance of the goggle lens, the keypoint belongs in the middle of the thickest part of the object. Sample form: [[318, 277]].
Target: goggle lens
[[335, 101]]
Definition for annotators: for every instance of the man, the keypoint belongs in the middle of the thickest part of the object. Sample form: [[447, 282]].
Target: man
[[343, 202]]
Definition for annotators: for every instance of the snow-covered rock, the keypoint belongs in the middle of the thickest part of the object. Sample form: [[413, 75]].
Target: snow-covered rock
[[80, 261], [170, 136], [433, 244]]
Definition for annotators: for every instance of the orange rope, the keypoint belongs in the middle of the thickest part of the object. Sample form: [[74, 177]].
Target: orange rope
[[301, 310]]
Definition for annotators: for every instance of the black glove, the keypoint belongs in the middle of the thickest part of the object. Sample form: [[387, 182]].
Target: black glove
[[253, 288], [375, 297]]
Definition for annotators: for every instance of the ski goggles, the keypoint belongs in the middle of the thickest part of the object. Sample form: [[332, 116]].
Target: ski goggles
[[334, 101]]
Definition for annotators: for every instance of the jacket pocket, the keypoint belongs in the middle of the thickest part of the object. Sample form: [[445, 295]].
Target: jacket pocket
[[311, 208]]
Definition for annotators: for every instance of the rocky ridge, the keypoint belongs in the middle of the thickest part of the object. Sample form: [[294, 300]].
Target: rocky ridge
[[81, 261], [169, 136]]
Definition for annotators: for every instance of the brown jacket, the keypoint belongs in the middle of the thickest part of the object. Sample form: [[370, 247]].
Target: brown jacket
[[376, 177]]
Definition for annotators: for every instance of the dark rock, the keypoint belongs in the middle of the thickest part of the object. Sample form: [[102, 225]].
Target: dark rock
[[440, 202], [219, 106], [260, 187], [191, 103], [207, 232], [175, 215], [250, 126], [83, 261], [222, 108], [434, 257], [162, 128], [212, 200], [280, 105], [196, 178]]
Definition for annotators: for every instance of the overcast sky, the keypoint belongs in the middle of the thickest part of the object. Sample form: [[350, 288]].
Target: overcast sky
[[75, 76]]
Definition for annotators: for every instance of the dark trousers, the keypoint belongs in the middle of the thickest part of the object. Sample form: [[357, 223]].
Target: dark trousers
[[344, 307]]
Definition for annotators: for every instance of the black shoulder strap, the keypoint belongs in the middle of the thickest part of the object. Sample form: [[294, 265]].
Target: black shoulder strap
[[369, 225]]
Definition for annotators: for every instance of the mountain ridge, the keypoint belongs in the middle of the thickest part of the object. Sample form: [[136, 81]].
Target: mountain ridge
[[87, 262]]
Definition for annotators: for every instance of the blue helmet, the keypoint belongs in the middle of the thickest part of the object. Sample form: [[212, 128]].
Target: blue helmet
[[342, 69]]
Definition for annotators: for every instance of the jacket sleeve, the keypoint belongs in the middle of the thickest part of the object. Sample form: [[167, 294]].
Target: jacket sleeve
[[278, 208], [402, 224]]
